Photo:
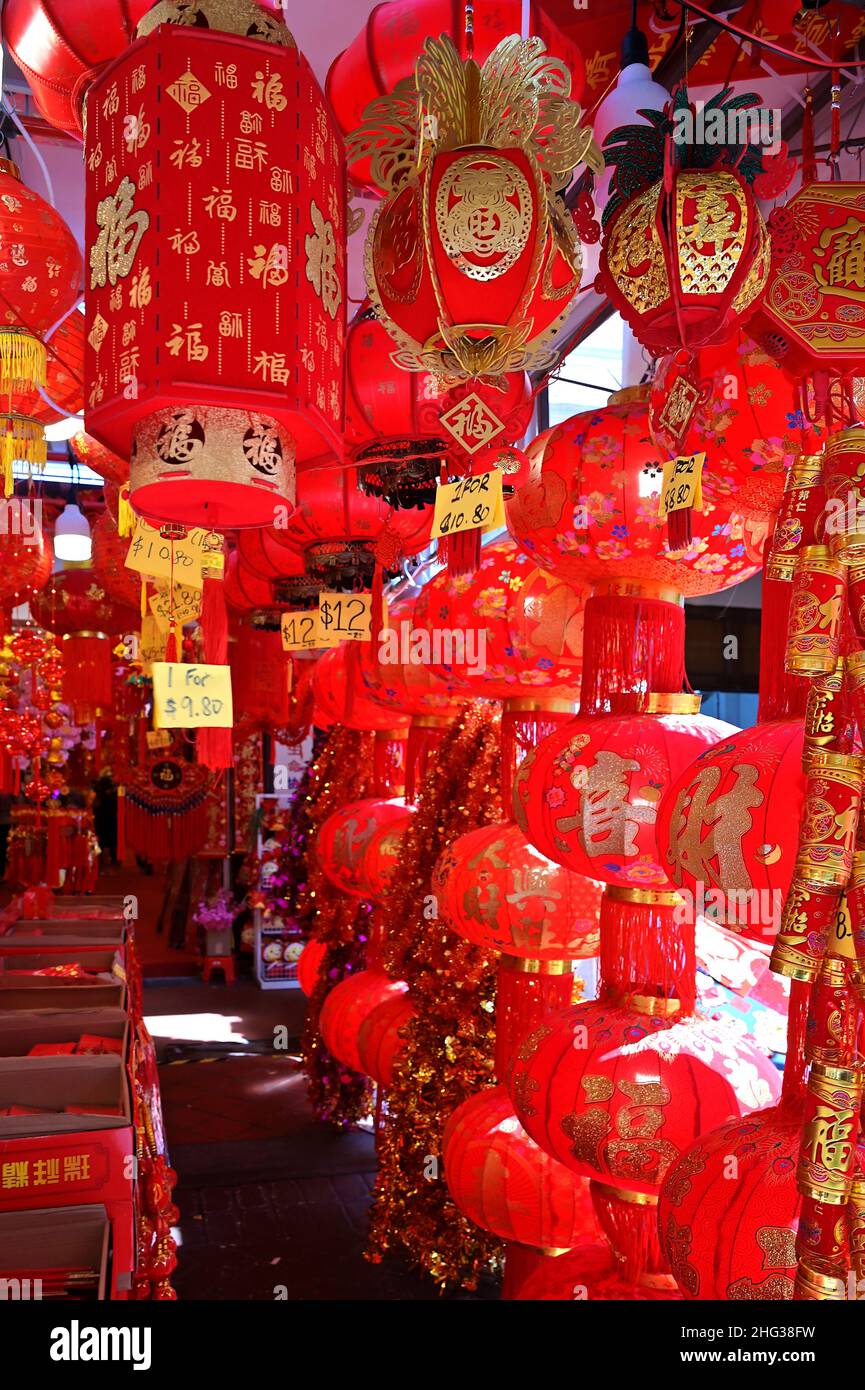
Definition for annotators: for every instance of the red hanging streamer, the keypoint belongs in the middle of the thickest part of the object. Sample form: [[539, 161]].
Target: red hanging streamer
[[631, 646], [646, 948], [213, 746]]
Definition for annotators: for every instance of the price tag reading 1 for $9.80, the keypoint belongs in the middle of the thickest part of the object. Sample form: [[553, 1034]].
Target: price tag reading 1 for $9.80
[[469, 504], [186, 696]]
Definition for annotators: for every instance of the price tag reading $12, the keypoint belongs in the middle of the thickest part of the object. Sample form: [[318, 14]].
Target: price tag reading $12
[[186, 696], [344, 618], [300, 631]]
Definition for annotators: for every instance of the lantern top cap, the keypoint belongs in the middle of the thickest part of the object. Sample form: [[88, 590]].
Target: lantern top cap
[[243, 17]]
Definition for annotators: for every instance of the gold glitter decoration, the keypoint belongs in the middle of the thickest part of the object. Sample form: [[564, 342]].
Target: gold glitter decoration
[[448, 1054]]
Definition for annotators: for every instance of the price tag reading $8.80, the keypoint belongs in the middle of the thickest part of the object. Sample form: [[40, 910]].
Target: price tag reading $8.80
[[469, 504], [344, 618], [186, 696], [300, 631], [682, 485]]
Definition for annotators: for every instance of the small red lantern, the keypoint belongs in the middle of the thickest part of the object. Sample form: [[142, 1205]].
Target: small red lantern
[[728, 827], [344, 839], [64, 375], [259, 305], [496, 890], [309, 965], [729, 1232], [619, 1093], [25, 567], [347, 1006], [472, 261], [380, 1038], [502, 1181]]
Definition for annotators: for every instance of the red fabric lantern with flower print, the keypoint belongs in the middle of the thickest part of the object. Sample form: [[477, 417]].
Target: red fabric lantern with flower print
[[729, 824], [496, 890], [344, 839], [347, 1006], [734, 1238], [380, 1039], [396, 677], [502, 1181], [618, 1094], [339, 694]]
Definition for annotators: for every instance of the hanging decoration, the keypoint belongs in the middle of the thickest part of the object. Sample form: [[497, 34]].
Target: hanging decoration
[[472, 259], [165, 817], [261, 311]]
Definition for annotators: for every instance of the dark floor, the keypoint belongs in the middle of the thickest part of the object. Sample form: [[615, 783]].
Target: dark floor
[[273, 1204]]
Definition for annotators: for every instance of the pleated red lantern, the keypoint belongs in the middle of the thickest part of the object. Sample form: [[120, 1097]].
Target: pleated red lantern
[[60, 45], [396, 676], [103, 461], [77, 606], [380, 1038], [245, 591], [344, 838], [239, 376], [619, 1093], [394, 418], [589, 514], [388, 47], [340, 697], [496, 890], [64, 375], [262, 554], [503, 1182], [347, 1006], [729, 1210], [309, 965], [382, 856], [728, 827], [593, 1272], [108, 562], [25, 567]]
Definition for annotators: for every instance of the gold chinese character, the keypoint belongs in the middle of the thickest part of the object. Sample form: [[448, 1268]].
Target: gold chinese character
[[186, 153], [94, 159], [15, 1174], [270, 267], [272, 367], [136, 132], [97, 390], [111, 102], [185, 243], [76, 1167], [230, 324], [225, 76], [250, 154], [140, 291], [321, 268], [139, 78], [269, 90], [121, 230], [115, 299], [188, 92], [217, 274], [128, 332], [269, 213], [128, 366], [187, 336], [844, 267], [221, 204], [145, 174], [280, 181], [250, 123], [45, 1171], [111, 170]]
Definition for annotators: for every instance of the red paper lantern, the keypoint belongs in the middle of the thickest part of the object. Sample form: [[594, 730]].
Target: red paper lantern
[[588, 796], [40, 279], [264, 555], [59, 45], [685, 268], [64, 375], [388, 47], [344, 839], [25, 567], [245, 591], [503, 1182], [309, 965], [728, 827], [396, 677], [77, 601], [260, 677], [592, 1272], [589, 511], [108, 562], [103, 461], [729, 1232], [380, 1038], [347, 1006], [619, 1094], [339, 694], [496, 890], [239, 375]]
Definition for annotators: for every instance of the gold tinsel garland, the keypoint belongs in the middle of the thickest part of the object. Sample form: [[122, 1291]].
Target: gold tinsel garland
[[341, 773], [448, 1054]]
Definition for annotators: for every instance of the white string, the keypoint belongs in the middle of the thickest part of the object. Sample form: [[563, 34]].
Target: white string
[[526, 19]]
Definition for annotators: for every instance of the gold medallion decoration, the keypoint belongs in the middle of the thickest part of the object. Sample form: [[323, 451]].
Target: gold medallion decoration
[[243, 17], [483, 213]]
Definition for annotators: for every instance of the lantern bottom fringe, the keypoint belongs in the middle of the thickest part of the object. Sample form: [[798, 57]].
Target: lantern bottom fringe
[[464, 552], [423, 740], [523, 1002], [646, 951], [782, 696], [213, 747], [521, 1261], [163, 837], [389, 763], [23, 442], [631, 646], [522, 731], [23, 360], [631, 1227], [87, 682]]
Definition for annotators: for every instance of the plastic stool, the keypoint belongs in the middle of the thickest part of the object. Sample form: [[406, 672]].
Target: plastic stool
[[223, 963]]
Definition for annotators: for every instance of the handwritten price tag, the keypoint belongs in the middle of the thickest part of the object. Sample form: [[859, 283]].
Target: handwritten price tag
[[682, 485], [151, 644], [469, 504], [300, 632], [185, 607], [191, 697], [150, 555], [344, 618]]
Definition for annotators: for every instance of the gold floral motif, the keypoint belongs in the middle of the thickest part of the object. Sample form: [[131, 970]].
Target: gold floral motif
[[778, 1244], [321, 268], [597, 1088], [775, 1289], [678, 1241], [524, 1088], [635, 254], [529, 1046], [243, 17]]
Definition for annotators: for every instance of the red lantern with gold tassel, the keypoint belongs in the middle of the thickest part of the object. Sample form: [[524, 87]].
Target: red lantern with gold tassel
[[77, 606], [263, 314], [103, 461]]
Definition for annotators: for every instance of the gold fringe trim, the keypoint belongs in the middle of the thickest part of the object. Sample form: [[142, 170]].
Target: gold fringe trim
[[125, 514], [23, 442], [23, 360]]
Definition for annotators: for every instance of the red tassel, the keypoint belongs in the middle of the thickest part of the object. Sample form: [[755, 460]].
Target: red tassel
[[171, 645], [52, 852], [645, 950], [631, 646], [523, 1002], [679, 528], [464, 552], [121, 824], [378, 623], [631, 1227], [213, 746], [423, 740], [87, 681], [523, 730]]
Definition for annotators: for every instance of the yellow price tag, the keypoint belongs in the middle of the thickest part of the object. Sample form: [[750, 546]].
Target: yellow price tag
[[151, 646], [186, 696], [158, 738], [300, 631], [149, 554], [185, 607], [469, 504], [344, 618], [682, 485]]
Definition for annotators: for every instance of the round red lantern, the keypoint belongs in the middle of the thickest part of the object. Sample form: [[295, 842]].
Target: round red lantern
[[309, 965], [588, 796], [405, 427], [347, 1006], [108, 562], [386, 51], [60, 45], [396, 676], [25, 567], [339, 694], [734, 1237], [64, 375], [593, 1272], [685, 267], [380, 1038], [345, 837], [503, 1182], [472, 261], [103, 461], [266, 557], [496, 890], [77, 601], [618, 1093], [245, 591]]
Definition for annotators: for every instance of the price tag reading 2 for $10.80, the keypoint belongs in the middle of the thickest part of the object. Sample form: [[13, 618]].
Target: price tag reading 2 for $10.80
[[191, 697]]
